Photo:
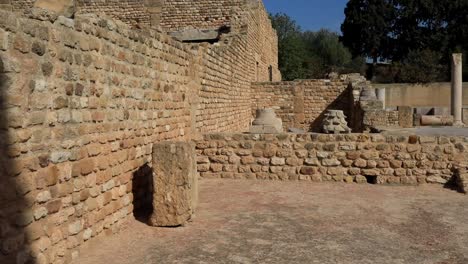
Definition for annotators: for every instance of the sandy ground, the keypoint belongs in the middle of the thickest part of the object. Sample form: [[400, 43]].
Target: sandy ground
[[301, 222]]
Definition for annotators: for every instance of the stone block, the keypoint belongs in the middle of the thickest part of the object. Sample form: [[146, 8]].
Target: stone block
[[65, 8], [196, 35], [462, 180], [405, 116], [175, 183]]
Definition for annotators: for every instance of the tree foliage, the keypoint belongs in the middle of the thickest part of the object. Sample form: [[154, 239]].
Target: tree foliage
[[400, 30], [304, 55]]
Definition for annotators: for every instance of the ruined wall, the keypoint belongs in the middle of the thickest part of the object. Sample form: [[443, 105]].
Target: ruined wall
[[20, 5], [263, 42], [82, 103], [16, 5], [201, 14], [302, 103], [224, 98], [132, 12], [381, 118], [228, 69], [350, 158]]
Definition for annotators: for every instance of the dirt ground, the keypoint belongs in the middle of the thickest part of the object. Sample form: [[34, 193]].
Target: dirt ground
[[301, 222]]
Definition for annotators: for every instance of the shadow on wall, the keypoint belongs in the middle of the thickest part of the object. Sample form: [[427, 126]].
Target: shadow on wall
[[16, 214], [345, 102], [142, 189]]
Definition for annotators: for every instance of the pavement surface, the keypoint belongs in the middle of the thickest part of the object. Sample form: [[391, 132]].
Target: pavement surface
[[301, 222]]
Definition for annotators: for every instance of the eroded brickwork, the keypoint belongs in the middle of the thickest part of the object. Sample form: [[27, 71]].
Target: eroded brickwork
[[350, 158]]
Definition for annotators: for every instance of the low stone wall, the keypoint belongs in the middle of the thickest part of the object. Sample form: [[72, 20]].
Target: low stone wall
[[350, 158]]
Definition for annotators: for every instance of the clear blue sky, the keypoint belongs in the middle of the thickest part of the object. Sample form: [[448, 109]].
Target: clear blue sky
[[311, 14]]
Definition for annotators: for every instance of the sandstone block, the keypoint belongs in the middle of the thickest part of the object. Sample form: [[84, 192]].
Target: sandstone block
[[175, 183], [275, 161]]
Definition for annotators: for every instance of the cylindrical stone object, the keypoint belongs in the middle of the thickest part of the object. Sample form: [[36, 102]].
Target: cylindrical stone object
[[457, 89], [427, 120]]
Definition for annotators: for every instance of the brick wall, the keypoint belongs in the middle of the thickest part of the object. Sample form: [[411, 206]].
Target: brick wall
[[302, 103], [82, 103], [203, 14], [132, 12], [350, 158]]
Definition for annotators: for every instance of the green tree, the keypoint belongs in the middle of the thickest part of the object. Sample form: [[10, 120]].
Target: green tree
[[327, 54], [367, 28], [292, 50], [421, 66], [304, 55]]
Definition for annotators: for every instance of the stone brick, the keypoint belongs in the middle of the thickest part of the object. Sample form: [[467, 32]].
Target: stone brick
[[275, 161], [3, 39]]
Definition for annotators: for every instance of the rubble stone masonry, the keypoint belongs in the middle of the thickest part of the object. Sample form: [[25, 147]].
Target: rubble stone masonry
[[360, 158]]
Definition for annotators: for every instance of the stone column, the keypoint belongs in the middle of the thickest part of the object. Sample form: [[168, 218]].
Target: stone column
[[457, 98], [381, 96]]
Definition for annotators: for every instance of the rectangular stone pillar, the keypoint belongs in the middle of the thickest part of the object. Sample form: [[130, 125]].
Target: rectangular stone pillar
[[155, 8], [405, 116], [175, 183], [457, 89]]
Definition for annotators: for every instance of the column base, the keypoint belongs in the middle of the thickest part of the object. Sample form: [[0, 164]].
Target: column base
[[458, 124]]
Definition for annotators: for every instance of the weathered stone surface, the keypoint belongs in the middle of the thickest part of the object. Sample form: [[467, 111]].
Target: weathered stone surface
[[335, 122], [266, 122], [461, 179], [175, 183], [62, 7], [342, 158], [196, 35], [405, 116]]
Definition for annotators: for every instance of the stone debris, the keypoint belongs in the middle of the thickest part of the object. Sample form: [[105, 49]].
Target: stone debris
[[335, 122]]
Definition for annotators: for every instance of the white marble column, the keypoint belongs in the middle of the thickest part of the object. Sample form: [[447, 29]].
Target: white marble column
[[381, 96], [457, 89]]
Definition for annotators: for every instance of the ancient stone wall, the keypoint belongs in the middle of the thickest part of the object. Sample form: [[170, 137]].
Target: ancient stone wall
[[132, 12], [263, 42], [358, 158], [224, 98], [302, 103], [381, 118], [16, 5], [82, 103], [201, 14]]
